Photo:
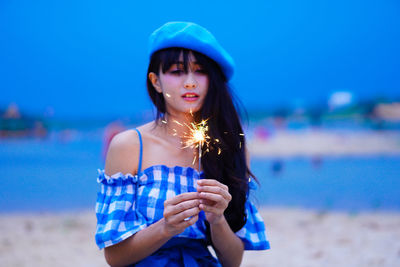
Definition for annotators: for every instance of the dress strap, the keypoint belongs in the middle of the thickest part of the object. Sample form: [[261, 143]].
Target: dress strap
[[141, 151]]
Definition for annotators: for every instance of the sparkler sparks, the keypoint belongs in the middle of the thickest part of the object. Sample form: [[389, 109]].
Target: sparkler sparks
[[196, 136]]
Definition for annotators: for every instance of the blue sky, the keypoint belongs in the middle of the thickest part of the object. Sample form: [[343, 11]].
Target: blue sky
[[89, 58]]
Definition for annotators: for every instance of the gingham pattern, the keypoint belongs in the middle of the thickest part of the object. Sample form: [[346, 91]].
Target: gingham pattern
[[253, 232], [129, 203]]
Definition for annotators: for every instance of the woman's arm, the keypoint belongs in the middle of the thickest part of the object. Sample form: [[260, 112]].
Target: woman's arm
[[148, 240], [228, 246], [214, 199], [136, 247], [123, 156]]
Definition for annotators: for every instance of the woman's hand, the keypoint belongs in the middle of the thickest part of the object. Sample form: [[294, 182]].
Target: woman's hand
[[180, 212], [214, 199]]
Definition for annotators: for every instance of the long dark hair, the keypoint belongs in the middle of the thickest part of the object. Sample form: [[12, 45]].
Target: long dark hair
[[227, 165]]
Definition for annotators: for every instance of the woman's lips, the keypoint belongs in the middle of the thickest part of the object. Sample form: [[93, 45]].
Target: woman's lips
[[190, 96]]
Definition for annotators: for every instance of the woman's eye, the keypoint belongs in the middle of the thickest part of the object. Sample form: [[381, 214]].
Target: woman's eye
[[202, 71], [176, 72]]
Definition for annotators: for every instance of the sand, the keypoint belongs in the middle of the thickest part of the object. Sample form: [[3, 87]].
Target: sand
[[320, 142], [298, 238]]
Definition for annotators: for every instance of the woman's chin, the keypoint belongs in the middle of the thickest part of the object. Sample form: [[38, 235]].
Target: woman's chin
[[191, 109]]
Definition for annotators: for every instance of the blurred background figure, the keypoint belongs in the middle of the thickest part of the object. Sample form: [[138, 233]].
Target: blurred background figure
[[112, 129], [277, 167]]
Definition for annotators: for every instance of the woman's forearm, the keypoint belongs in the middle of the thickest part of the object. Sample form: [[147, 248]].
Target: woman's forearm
[[175, 220], [138, 246], [228, 246]]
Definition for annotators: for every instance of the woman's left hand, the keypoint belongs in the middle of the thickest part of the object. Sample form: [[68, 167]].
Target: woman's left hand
[[214, 199]]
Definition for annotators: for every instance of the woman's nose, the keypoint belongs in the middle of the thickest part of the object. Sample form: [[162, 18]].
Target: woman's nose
[[190, 82]]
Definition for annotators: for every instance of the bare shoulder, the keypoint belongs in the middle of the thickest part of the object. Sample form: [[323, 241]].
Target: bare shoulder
[[123, 153], [147, 129]]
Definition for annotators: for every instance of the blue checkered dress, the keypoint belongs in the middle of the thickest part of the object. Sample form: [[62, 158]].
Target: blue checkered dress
[[129, 203]]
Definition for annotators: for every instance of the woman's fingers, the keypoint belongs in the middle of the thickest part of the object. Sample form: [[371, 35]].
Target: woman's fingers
[[185, 205], [212, 190], [213, 197], [189, 222], [181, 207], [212, 209], [216, 190], [212, 182], [206, 201], [180, 198], [182, 210], [178, 218]]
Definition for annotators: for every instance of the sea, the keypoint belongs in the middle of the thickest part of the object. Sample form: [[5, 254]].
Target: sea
[[59, 174]]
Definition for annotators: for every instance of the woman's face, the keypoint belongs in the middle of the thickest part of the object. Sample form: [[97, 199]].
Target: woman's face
[[183, 91]]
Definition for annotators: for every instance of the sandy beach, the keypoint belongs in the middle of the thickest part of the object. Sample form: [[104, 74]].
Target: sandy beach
[[298, 238], [326, 143]]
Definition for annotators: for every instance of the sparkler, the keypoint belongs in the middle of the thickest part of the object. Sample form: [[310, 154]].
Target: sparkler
[[196, 137], [199, 136]]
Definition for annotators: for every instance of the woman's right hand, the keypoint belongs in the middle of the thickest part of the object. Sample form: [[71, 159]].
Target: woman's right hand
[[180, 212]]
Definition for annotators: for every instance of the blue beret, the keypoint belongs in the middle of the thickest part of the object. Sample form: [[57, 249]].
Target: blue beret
[[194, 37]]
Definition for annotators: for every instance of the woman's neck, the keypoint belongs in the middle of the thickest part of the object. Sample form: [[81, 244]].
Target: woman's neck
[[177, 125], [176, 130]]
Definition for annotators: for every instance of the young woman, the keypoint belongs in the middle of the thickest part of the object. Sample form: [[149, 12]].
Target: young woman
[[156, 208]]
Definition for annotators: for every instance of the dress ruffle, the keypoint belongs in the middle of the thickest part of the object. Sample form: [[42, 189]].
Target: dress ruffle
[[253, 232], [116, 212], [116, 178]]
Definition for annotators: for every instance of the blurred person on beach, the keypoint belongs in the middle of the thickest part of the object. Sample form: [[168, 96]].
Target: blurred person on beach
[[111, 130], [155, 208]]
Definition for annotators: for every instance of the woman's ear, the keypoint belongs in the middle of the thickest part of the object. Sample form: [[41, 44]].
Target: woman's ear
[[155, 81]]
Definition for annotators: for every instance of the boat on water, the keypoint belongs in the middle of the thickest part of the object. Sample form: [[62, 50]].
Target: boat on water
[[13, 124]]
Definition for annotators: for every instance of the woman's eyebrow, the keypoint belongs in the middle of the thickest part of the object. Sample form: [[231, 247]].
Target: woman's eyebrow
[[177, 63], [180, 64]]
